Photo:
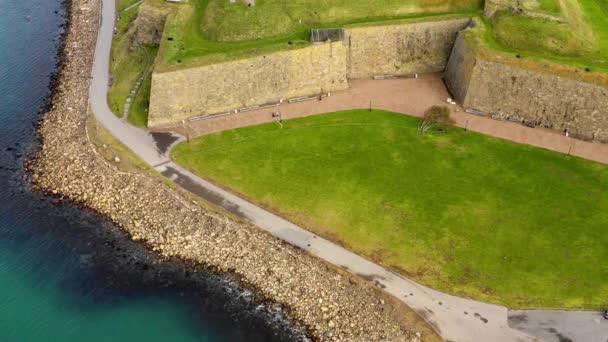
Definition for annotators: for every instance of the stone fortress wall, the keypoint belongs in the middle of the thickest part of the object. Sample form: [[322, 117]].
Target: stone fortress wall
[[221, 87], [398, 48], [540, 99], [395, 48]]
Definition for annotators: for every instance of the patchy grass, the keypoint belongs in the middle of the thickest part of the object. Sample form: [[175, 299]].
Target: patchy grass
[[125, 17], [127, 64], [109, 148], [138, 113], [462, 212]]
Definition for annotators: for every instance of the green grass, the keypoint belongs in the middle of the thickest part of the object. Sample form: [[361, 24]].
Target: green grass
[[465, 213], [544, 36], [224, 21], [125, 17], [603, 4], [138, 113], [210, 31], [127, 65], [581, 42], [543, 6], [189, 47]]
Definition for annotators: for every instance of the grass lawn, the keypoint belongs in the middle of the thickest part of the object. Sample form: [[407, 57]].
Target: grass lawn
[[462, 212]]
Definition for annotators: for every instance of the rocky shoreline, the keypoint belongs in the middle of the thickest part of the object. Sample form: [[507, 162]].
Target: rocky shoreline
[[332, 304]]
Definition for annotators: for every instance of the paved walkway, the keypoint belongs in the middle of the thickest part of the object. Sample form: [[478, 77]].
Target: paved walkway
[[559, 325], [411, 96], [456, 319], [141, 142]]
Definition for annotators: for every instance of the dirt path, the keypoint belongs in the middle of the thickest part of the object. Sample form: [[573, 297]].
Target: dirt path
[[409, 96]]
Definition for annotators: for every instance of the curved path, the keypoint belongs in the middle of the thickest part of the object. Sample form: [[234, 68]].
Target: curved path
[[456, 319]]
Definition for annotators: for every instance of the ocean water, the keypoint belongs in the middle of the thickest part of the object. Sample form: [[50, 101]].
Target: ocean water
[[67, 275]]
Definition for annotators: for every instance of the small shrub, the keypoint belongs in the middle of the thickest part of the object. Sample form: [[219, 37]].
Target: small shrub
[[436, 118]]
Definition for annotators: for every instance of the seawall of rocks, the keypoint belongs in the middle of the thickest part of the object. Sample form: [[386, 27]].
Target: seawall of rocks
[[333, 305]]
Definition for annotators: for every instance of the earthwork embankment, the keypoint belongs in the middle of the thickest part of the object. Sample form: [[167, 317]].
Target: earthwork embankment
[[150, 24], [394, 48], [397, 48]]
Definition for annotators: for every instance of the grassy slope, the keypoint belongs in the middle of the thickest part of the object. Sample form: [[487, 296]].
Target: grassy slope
[[580, 43], [233, 22], [532, 34], [199, 28], [193, 46], [189, 47], [138, 113], [465, 213], [127, 65], [122, 62]]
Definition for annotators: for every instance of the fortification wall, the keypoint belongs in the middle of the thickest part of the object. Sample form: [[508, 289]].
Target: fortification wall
[[459, 69], [150, 23], [225, 86], [549, 100], [416, 47]]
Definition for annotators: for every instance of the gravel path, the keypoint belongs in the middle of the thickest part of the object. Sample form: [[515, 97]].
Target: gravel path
[[456, 319]]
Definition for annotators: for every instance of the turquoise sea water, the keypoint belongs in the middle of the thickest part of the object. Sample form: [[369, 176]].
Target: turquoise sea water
[[65, 274]]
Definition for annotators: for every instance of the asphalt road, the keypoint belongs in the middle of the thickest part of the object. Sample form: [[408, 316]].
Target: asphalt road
[[561, 325], [456, 319]]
